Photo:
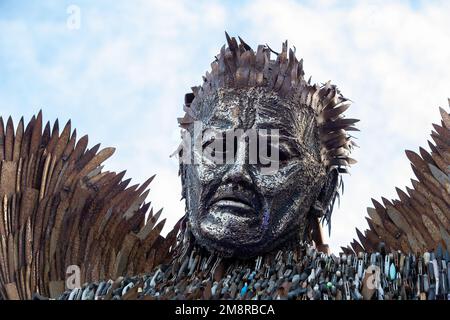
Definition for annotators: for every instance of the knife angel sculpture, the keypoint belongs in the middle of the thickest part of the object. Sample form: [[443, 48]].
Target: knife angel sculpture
[[59, 208]]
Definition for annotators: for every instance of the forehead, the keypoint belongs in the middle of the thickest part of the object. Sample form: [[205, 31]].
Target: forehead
[[257, 108]]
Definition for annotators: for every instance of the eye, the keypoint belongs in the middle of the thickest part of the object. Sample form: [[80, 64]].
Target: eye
[[219, 149], [283, 154], [207, 143]]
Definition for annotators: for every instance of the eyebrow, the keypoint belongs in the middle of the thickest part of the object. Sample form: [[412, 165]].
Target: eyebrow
[[275, 124], [291, 142], [220, 121], [283, 129], [294, 143]]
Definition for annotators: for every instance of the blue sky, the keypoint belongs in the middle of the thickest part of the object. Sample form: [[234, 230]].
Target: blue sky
[[122, 75]]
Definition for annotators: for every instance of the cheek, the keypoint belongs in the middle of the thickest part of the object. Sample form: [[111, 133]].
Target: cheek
[[201, 183], [289, 195], [209, 178], [288, 179], [208, 173], [200, 175]]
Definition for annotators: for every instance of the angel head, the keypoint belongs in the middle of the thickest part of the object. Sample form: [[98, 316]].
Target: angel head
[[262, 152]]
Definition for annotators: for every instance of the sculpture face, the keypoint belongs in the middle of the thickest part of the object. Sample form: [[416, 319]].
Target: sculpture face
[[237, 208]]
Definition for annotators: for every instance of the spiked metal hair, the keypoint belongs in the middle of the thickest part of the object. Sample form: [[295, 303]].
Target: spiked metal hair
[[238, 66]]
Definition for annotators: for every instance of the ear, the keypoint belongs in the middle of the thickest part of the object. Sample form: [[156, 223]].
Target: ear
[[183, 176], [325, 200], [323, 206]]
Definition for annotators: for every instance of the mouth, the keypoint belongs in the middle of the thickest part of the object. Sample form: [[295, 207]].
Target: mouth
[[233, 203], [238, 200]]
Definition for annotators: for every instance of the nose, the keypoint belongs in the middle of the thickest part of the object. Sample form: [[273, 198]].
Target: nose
[[238, 171]]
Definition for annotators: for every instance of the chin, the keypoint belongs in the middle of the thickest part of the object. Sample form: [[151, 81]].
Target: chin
[[235, 244], [226, 241], [236, 234]]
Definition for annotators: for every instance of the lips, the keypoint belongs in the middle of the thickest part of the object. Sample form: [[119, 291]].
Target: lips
[[233, 202], [234, 197]]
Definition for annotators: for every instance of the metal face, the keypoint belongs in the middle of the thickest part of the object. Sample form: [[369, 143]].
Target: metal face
[[235, 207]]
